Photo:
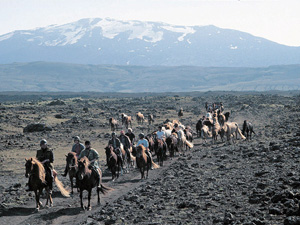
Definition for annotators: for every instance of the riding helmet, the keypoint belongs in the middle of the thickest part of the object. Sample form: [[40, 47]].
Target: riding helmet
[[87, 143], [113, 134], [43, 142], [141, 135], [76, 138]]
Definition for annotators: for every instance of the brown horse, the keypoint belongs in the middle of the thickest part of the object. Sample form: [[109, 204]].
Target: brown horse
[[113, 163], [159, 151], [72, 166], [143, 161], [87, 180], [140, 118], [150, 140], [231, 128], [150, 119], [113, 124], [180, 113], [172, 145], [126, 120], [37, 180]]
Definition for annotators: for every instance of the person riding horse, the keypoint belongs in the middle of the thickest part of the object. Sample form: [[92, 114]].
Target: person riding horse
[[161, 135], [131, 135], [116, 144], [93, 157], [77, 148], [145, 143], [46, 157], [125, 141]]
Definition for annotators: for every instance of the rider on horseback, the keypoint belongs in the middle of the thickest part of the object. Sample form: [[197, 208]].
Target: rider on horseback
[[145, 143], [161, 135], [46, 157], [93, 157], [77, 148], [125, 141]]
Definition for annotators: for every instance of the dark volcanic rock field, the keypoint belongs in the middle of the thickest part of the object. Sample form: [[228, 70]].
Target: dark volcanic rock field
[[251, 182]]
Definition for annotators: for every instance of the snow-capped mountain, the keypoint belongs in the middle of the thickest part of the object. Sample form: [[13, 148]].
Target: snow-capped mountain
[[109, 41]]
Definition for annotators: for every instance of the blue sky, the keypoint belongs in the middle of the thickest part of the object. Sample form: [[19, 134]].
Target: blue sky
[[276, 20]]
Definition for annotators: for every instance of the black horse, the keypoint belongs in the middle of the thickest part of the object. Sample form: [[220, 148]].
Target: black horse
[[247, 129], [199, 127]]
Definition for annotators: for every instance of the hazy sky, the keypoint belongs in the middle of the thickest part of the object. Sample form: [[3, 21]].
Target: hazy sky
[[276, 20]]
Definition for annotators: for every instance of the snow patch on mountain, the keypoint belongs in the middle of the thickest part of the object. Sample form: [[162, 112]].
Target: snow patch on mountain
[[184, 30], [143, 31]]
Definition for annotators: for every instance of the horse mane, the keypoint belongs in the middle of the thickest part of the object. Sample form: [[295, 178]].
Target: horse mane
[[41, 169], [84, 158], [142, 147]]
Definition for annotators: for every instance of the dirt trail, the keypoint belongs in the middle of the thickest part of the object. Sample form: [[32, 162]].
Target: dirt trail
[[68, 210]]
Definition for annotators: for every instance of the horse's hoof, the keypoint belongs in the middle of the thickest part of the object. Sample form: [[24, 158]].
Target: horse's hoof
[[36, 210]]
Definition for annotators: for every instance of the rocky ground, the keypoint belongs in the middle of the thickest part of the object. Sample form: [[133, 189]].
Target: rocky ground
[[251, 182]]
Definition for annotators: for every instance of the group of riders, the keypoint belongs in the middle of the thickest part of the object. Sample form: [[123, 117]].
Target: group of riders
[[46, 157]]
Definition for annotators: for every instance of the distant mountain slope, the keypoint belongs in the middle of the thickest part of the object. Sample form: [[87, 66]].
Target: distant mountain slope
[[108, 41], [41, 76]]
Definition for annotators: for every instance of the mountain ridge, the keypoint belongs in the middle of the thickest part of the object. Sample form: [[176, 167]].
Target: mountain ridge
[[109, 41]]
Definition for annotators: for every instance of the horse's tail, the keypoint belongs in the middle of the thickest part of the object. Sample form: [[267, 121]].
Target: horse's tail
[[61, 188], [189, 144], [132, 157], [104, 189], [239, 131], [154, 165]]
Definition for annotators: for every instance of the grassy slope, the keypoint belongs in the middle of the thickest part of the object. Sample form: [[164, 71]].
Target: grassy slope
[[42, 76]]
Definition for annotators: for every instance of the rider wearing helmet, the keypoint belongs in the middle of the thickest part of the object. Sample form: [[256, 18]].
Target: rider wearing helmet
[[77, 148], [93, 157]]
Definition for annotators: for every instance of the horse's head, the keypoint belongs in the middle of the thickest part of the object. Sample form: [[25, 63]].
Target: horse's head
[[139, 150], [71, 159], [28, 166], [108, 150], [82, 167]]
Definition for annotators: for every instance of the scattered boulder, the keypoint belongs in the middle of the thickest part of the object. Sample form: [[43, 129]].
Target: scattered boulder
[[57, 102], [37, 127]]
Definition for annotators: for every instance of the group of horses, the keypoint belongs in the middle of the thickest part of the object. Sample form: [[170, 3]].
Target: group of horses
[[79, 169], [127, 120], [219, 125], [178, 138]]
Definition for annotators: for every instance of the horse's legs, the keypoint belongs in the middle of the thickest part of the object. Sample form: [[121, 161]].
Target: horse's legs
[[71, 179], [147, 170], [81, 202], [37, 200], [89, 198], [98, 193]]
